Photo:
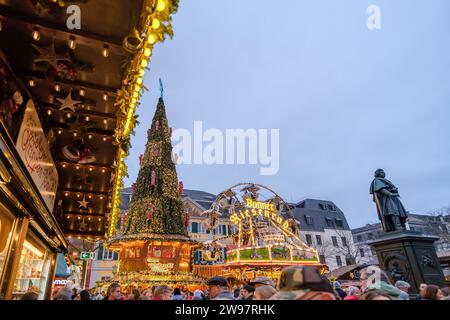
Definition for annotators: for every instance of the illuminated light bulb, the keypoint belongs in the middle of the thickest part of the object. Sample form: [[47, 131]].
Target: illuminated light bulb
[[134, 100], [78, 167], [79, 218], [155, 23], [89, 220], [36, 34], [151, 38], [101, 197], [66, 194], [90, 169], [144, 63], [69, 115], [68, 217], [87, 118], [32, 83], [82, 92], [75, 134], [139, 81], [49, 112], [135, 95], [90, 136], [105, 51], [64, 165], [57, 87], [147, 52], [103, 170], [161, 6], [90, 197], [99, 219], [105, 96], [105, 121], [72, 43], [137, 88], [104, 138], [78, 195], [141, 72]]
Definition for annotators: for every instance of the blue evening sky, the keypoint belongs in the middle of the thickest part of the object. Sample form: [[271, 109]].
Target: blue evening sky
[[347, 100]]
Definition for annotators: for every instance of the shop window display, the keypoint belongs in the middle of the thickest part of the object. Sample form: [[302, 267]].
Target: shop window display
[[33, 271], [6, 225]]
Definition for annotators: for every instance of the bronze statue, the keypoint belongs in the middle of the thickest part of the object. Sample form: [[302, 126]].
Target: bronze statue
[[391, 212]]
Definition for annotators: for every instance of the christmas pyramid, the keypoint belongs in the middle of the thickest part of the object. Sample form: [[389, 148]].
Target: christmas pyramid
[[156, 209]]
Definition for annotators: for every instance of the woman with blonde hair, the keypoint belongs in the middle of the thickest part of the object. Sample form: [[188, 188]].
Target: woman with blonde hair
[[264, 292]]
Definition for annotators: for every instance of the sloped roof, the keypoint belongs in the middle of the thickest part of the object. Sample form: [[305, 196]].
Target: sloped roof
[[319, 211]]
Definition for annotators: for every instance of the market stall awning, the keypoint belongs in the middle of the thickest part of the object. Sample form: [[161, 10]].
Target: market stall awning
[[86, 84]]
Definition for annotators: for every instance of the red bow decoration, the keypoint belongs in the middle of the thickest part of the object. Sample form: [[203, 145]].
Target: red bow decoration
[[180, 187]]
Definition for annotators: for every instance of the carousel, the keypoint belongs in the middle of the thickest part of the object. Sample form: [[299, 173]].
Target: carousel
[[264, 238]]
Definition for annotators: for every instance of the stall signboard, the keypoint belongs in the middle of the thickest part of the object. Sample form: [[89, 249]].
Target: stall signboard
[[34, 150], [87, 255]]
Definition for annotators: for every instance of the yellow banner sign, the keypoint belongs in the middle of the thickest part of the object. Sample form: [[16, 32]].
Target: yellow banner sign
[[259, 208]]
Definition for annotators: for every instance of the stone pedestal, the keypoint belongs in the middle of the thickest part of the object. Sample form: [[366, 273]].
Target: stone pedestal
[[409, 256]]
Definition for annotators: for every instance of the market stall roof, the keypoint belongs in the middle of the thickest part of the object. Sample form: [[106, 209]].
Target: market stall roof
[[73, 77]]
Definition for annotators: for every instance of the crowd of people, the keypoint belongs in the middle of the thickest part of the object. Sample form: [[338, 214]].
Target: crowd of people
[[295, 283]]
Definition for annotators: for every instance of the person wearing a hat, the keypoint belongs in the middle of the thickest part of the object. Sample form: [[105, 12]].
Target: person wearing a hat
[[247, 292], [262, 281], [218, 289], [303, 283]]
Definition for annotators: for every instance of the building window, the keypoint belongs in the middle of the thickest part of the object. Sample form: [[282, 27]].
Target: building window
[[308, 239], [339, 223], [370, 236], [361, 252], [359, 238], [331, 207], [344, 241], [107, 255], [319, 239], [309, 220], [224, 230], [339, 261], [329, 222], [322, 259], [322, 206], [335, 242], [194, 227]]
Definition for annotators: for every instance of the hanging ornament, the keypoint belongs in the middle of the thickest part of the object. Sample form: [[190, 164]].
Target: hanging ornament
[[180, 187], [141, 158], [83, 203], [83, 225], [153, 178], [68, 102], [124, 219], [150, 210], [186, 223], [50, 56]]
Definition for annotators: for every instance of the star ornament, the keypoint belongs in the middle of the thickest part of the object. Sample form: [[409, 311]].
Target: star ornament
[[83, 225], [68, 102], [49, 55], [83, 203]]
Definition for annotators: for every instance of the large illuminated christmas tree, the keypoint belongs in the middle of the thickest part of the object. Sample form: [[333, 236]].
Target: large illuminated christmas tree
[[156, 206]]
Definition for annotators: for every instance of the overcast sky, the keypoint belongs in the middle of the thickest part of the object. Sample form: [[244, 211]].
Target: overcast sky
[[347, 100]]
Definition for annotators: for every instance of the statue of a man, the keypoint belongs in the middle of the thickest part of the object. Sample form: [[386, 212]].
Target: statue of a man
[[391, 212]]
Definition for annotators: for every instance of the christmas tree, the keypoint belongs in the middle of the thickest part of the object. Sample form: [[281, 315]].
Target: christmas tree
[[156, 207]]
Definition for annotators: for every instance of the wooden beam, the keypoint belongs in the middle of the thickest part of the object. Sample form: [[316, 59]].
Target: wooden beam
[[114, 44]]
